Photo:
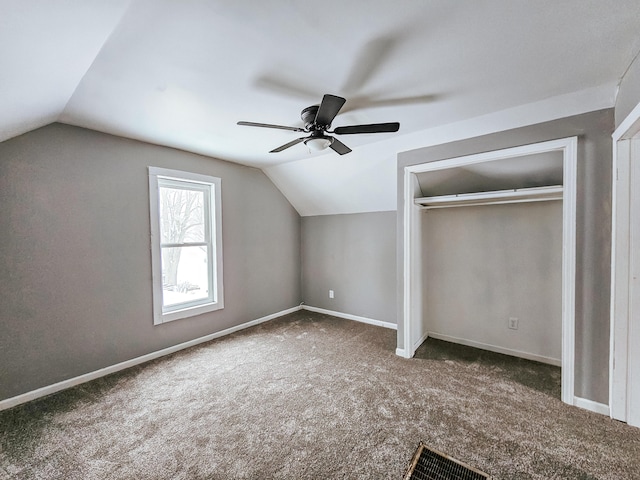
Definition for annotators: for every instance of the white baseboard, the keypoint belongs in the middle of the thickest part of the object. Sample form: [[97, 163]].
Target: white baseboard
[[493, 348], [592, 406], [401, 352], [421, 341], [72, 382], [348, 316]]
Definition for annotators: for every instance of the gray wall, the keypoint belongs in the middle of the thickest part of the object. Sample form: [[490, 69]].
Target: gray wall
[[75, 267], [354, 255], [629, 92], [593, 230], [485, 264]]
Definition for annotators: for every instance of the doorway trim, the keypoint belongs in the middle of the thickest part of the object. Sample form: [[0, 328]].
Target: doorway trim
[[626, 152], [412, 286]]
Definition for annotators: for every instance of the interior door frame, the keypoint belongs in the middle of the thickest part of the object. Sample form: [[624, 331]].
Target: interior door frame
[[412, 278], [624, 364]]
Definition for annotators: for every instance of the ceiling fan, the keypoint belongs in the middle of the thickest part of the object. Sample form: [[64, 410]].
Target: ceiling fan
[[317, 121]]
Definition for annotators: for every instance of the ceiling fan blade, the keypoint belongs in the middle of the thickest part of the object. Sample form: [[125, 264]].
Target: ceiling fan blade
[[328, 109], [339, 147], [283, 86], [268, 125], [371, 128], [287, 145], [365, 101], [369, 60]]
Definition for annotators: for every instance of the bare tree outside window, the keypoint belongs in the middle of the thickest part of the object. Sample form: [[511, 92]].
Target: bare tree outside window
[[181, 221]]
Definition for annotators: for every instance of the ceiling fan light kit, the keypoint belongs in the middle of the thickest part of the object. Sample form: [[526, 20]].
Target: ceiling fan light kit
[[318, 143], [317, 121]]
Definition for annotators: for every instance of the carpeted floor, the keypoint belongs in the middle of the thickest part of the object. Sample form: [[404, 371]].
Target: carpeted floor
[[308, 396]]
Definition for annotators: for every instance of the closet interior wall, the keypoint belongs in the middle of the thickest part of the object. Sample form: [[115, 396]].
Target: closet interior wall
[[492, 277]]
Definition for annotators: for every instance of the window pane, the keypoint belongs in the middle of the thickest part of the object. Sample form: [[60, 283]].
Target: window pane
[[185, 276], [182, 215]]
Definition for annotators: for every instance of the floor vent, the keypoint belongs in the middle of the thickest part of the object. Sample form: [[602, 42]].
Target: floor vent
[[429, 464]]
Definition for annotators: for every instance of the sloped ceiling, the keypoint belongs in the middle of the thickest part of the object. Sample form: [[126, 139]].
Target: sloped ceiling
[[46, 47], [182, 73]]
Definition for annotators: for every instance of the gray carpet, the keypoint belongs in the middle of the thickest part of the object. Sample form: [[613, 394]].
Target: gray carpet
[[308, 396]]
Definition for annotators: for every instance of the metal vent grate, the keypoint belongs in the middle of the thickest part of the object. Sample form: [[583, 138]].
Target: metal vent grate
[[429, 464]]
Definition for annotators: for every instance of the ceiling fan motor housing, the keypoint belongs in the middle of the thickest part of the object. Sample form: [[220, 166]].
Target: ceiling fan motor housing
[[308, 116]]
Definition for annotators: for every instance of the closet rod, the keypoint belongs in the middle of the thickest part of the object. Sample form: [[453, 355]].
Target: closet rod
[[517, 195]]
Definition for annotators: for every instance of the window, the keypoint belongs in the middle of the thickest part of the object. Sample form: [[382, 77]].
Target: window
[[186, 244]]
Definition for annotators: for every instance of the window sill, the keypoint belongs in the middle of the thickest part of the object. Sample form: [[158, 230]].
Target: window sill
[[161, 318]]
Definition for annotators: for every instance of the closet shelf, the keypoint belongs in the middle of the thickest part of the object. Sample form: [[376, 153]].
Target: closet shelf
[[516, 195]]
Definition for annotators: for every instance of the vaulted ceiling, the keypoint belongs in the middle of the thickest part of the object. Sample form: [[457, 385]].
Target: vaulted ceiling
[[183, 73]]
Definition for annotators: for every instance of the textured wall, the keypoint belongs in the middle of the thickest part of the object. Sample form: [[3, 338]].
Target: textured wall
[[593, 270], [354, 255], [485, 264], [75, 265]]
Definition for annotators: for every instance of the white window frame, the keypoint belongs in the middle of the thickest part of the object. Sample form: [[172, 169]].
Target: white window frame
[[213, 241]]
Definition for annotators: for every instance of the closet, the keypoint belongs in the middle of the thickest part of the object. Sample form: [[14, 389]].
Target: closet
[[492, 269], [489, 253]]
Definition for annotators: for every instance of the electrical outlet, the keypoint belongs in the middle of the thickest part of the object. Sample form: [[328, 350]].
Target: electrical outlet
[[513, 323], [330, 293]]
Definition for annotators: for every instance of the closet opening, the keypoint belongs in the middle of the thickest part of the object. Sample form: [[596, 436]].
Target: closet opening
[[489, 254]]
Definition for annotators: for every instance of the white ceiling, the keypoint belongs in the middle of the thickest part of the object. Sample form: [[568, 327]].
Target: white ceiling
[[182, 73]]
